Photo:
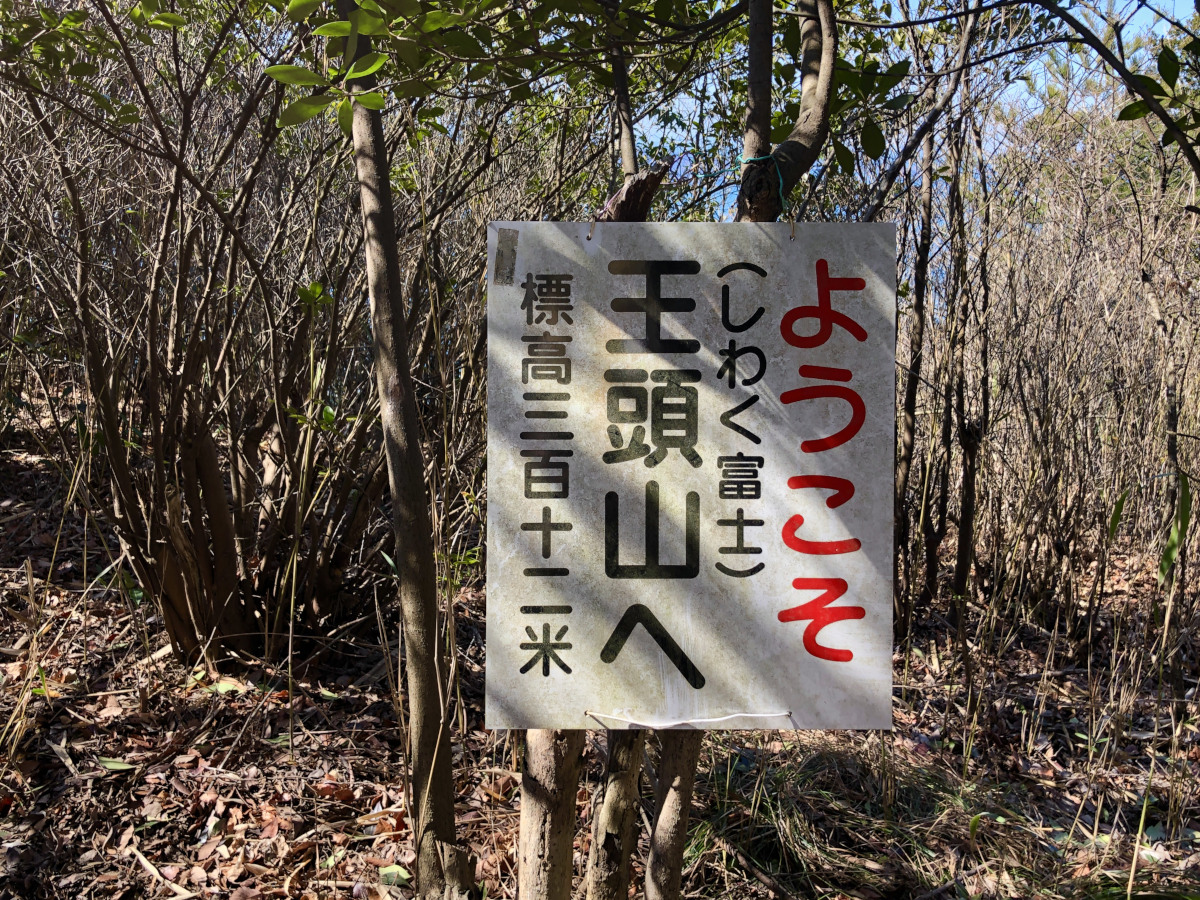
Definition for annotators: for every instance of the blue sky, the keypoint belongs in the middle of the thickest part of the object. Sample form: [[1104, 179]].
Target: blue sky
[[1180, 10]]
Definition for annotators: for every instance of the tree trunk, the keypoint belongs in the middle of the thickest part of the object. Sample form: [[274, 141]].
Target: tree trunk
[[676, 776], [1170, 384], [935, 512], [967, 431], [970, 430], [767, 182], [759, 32], [969, 435], [613, 830], [440, 862], [912, 377], [549, 780]]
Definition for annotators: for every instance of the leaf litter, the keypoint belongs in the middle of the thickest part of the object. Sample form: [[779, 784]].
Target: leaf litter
[[123, 775]]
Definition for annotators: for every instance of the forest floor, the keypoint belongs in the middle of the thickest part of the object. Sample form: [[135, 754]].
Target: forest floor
[[124, 775]]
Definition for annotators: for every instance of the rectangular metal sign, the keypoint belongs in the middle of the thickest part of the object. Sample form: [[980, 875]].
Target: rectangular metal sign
[[691, 434]]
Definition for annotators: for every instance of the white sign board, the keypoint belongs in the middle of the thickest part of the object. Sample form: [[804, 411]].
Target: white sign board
[[691, 434]]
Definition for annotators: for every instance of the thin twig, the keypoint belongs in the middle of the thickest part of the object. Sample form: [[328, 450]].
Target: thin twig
[[949, 885], [766, 880]]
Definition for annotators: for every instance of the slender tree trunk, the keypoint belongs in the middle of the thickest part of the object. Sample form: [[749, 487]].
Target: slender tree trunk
[[912, 377], [624, 110], [616, 817], [937, 475], [969, 435], [760, 60], [441, 864], [970, 430], [1170, 385], [549, 781], [676, 777], [615, 825], [766, 182], [950, 369]]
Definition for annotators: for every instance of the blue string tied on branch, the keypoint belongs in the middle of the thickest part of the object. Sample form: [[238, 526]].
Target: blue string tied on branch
[[741, 161], [779, 172]]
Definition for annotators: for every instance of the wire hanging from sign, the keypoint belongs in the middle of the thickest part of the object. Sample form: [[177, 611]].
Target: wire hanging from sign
[[600, 717]]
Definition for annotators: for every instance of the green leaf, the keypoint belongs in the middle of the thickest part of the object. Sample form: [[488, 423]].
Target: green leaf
[[74, 18], [899, 102], [791, 37], [1114, 520], [345, 117], [226, 686], [845, 158], [440, 19], [373, 100], [1136, 110], [408, 51], [781, 127], [366, 65], [848, 77], [115, 765], [299, 10], [82, 70], [397, 875], [312, 293], [304, 109], [1183, 517], [367, 22], [294, 75], [168, 20], [1168, 66], [462, 44], [873, 142], [350, 50], [333, 29], [411, 88], [1152, 86]]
